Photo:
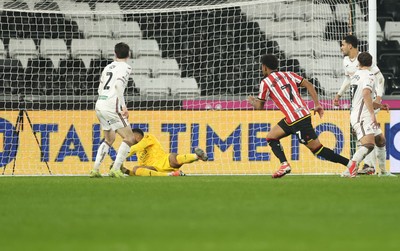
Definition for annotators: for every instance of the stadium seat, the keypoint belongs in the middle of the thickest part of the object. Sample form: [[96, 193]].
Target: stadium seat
[[330, 84], [155, 87], [10, 4], [106, 46], [397, 39], [148, 47], [392, 30], [85, 49], [108, 11], [76, 10], [313, 29], [291, 11], [166, 67], [140, 67], [328, 48], [126, 30], [319, 11], [316, 66], [362, 29], [45, 5], [183, 87], [136, 81], [90, 28], [261, 11], [22, 49], [55, 49], [278, 29], [29, 3], [294, 48], [11, 73], [343, 10], [336, 30]]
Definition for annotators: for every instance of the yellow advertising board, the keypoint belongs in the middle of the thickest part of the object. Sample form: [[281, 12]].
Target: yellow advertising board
[[234, 140]]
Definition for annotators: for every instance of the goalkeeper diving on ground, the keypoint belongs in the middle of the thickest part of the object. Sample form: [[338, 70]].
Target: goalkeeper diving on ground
[[153, 160]]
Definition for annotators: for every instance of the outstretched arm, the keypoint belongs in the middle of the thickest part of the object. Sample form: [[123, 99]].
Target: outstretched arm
[[310, 88], [343, 89]]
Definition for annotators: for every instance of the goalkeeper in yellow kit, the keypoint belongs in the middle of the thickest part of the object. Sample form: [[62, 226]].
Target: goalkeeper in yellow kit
[[154, 161]]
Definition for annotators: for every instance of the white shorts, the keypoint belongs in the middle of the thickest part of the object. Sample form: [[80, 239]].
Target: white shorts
[[111, 120], [364, 127]]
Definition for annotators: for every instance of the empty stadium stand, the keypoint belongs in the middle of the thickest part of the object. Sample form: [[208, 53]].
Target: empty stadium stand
[[208, 51]]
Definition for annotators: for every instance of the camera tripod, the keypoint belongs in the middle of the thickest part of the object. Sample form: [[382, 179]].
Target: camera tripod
[[19, 126]]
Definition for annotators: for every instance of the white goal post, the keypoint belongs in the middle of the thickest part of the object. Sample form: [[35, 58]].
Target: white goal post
[[194, 65]]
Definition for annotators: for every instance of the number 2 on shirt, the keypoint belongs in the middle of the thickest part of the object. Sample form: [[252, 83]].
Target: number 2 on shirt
[[106, 87]]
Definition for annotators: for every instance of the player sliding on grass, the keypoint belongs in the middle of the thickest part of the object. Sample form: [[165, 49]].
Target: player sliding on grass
[[349, 48], [282, 88], [154, 161]]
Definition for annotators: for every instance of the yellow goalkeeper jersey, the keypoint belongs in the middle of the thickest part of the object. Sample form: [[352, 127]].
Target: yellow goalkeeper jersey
[[148, 151]]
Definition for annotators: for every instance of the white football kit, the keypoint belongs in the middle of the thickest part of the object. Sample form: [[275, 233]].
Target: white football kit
[[360, 118], [350, 67], [113, 82]]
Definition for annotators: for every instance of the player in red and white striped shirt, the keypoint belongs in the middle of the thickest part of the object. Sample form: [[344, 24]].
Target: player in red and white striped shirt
[[282, 88]]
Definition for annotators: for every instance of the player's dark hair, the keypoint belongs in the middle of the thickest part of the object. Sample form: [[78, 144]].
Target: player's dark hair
[[121, 50], [137, 130], [365, 59], [270, 61], [350, 39]]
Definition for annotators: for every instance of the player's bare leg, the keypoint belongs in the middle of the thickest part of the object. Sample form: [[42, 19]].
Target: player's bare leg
[[367, 145], [109, 138], [370, 159], [123, 151]]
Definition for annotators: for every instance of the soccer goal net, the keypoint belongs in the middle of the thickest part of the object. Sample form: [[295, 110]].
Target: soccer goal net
[[194, 64]]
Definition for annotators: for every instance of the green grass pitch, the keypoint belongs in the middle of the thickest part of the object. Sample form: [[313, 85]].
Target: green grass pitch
[[200, 213]]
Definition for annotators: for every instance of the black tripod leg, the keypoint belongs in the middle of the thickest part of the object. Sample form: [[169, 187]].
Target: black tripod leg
[[18, 126], [37, 140]]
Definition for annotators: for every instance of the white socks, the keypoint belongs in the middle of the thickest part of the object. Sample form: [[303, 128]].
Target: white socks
[[381, 155], [360, 154], [370, 159], [378, 153], [101, 153], [123, 152]]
